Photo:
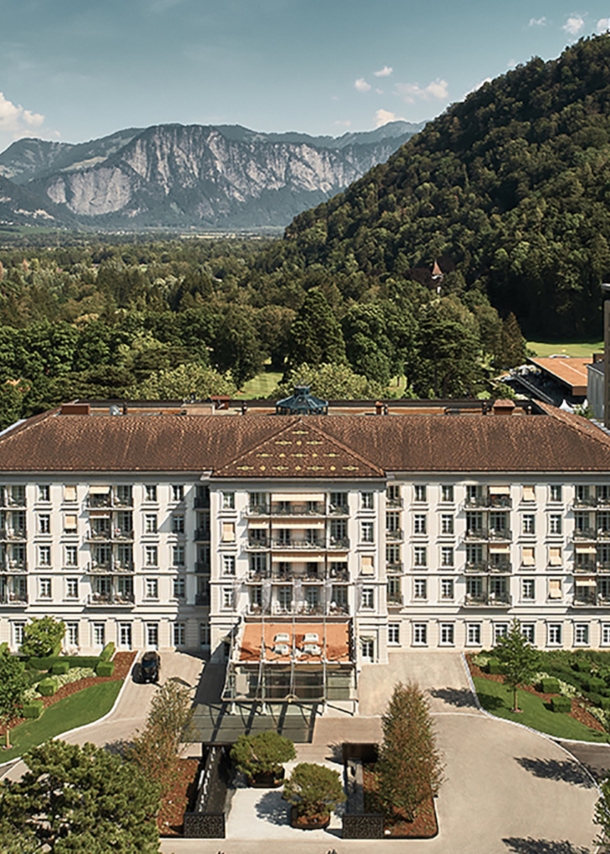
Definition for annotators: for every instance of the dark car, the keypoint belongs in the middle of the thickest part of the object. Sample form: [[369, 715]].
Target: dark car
[[150, 666]]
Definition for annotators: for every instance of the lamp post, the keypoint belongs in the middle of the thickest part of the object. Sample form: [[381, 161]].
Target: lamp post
[[606, 293]]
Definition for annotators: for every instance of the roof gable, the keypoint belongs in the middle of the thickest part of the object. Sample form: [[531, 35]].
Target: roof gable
[[300, 449]]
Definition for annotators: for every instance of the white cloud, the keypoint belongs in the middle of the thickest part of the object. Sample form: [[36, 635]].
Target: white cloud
[[574, 24], [382, 117], [361, 85], [478, 86], [344, 124], [16, 120], [603, 25], [537, 22], [384, 72], [412, 92]]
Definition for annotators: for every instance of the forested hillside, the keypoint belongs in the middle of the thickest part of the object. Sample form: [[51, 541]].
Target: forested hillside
[[512, 186]]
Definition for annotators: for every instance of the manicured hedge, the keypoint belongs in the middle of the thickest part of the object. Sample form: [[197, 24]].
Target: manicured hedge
[[105, 668], [48, 661], [107, 652], [47, 687], [549, 686], [561, 704], [60, 667], [33, 710], [494, 666]]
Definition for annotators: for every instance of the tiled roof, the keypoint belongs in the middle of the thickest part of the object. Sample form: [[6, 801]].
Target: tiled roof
[[365, 446]]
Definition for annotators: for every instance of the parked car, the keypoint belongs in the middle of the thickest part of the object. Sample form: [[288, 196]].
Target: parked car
[[150, 667]]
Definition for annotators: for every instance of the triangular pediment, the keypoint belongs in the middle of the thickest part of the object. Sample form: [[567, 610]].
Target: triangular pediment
[[300, 449]]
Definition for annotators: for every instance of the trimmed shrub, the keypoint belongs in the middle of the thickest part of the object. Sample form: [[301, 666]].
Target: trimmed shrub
[[60, 667], [549, 686], [48, 661], [107, 652], [33, 710], [593, 698], [581, 666], [605, 703], [595, 683], [47, 687], [104, 668], [561, 704], [493, 666]]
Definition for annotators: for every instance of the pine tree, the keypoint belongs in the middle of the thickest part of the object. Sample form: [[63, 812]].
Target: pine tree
[[315, 334]]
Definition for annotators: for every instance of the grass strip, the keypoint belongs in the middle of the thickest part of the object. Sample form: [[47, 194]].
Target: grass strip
[[76, 710], [582, 349], [496, 698]]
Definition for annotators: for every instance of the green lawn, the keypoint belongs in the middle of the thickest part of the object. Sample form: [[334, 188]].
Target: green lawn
[[497, 699], [573, 348], [260, 386], [76, 710]]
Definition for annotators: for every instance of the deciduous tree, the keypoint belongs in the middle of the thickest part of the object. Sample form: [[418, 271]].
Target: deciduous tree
[[519, 659], [43, 636]]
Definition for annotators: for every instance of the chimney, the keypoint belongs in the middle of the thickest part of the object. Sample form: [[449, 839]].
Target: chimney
[[503, 407]]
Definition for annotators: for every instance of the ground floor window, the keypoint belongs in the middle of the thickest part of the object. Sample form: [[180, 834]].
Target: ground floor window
[[581, 634], [367, 646], [473, 634], [500, 631], [204, 634], [394, 633], [420, 634], [605, 634], [554, 634], [72, 634], [152, 635], [18, 633], [447, 634], [125, 635], [528, 632], [99, 634], [179, 634]]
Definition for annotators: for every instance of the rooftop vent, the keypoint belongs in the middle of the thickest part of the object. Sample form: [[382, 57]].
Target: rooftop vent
[[302, 402]]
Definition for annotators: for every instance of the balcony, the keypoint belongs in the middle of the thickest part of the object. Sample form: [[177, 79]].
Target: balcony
[[338, 543], [338, 609], [592, 599], [16, 600], [298, 545], [585, 566], [585, 501], [258, 510], [14, 565], [396, 566], [500, 534], [202, 599], [117, 600], [15, 501], [476, 535], [484, 501], [394, 536], [584, 534], [395, 600], [202, 568], [310, 608], [603, 534], [603, 566], [13, 534], [202, 534], [393, 502], [338, 575], [258, 544], [476, 566], [111, 565], [500, 567], [338, 510], [256, 576], [202, 502], [485, 600], [125, 501], [312, 508], [99, 501]]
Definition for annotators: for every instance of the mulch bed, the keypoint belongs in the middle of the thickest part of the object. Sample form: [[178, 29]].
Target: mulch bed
[[177, 799], [123, 662], [579, 709], [423, 826]]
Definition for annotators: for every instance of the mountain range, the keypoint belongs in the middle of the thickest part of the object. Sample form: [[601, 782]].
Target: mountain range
[[193, 176]]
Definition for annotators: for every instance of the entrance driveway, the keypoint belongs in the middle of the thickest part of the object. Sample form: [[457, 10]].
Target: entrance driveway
[[507, 790]]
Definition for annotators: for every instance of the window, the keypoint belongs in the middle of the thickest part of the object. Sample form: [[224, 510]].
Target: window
[[228, 563], [419, 523], [125, 635], [528, 556], [555, 492], [367, 647], [420, 492], [555, 556], [553, 634], [446, 492], [473, 634], [204, 634], [44, 523], [151, 556], [392, 555], [70, 523], [394, 634], [179, 634], [179, 588], [177, 492], [528, 589], [529, 523], [178, 524], [500, 630], [447, 588], [71, 555], [420, 634], [284, 598], [420, 556], [152, 588], [69, 493], [367, 500], [150, 523], [555, 588], [581, 634], [367, 532], [18, 633], [228, 501], [177, 555], [152, 635], [71, 588], [228, 532], [258, 564], [150, 492], [394, 591], [528, 632], [605, 634], [420, 588], [227, 597], [44, 555], [528, 493], [393, 495], [44, 492], [99, 634], [447, 558], [447, 632], [124, 494], [554, 523], [44, 588], [72, 634], [392, 523], [368, 597], [446, 523]]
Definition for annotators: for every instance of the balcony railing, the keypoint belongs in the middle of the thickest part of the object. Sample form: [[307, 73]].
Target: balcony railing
[[111, 565], [202, 568], [476, 534], [500, 534], [202, 503], [14, 565], [293, 509], [492, 600], [13, 534], [585, 566], [202, 599], [393, 536], [313, 543], [584, 534], [255, 544], [395, 566], [338, 510], [393, 502], [603, 533], [593, 599], [340, 543], [338, 575], [97, 502], [109, 534], [15, 501], [395, 600], [15, 599], [493, 502], [476, 566], [111, 599], [202, 534]]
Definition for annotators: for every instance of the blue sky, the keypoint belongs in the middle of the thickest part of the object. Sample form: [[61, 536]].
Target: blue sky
[[78, 69]]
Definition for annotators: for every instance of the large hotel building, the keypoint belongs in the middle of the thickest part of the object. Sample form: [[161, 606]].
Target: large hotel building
[[297, 546]]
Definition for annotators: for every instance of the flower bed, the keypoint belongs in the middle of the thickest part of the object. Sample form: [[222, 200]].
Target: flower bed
[[177, 800], [423, 826]]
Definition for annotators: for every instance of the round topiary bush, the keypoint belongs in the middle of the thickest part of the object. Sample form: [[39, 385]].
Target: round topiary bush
[[314, 790], [47, 687], [262, 755]]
